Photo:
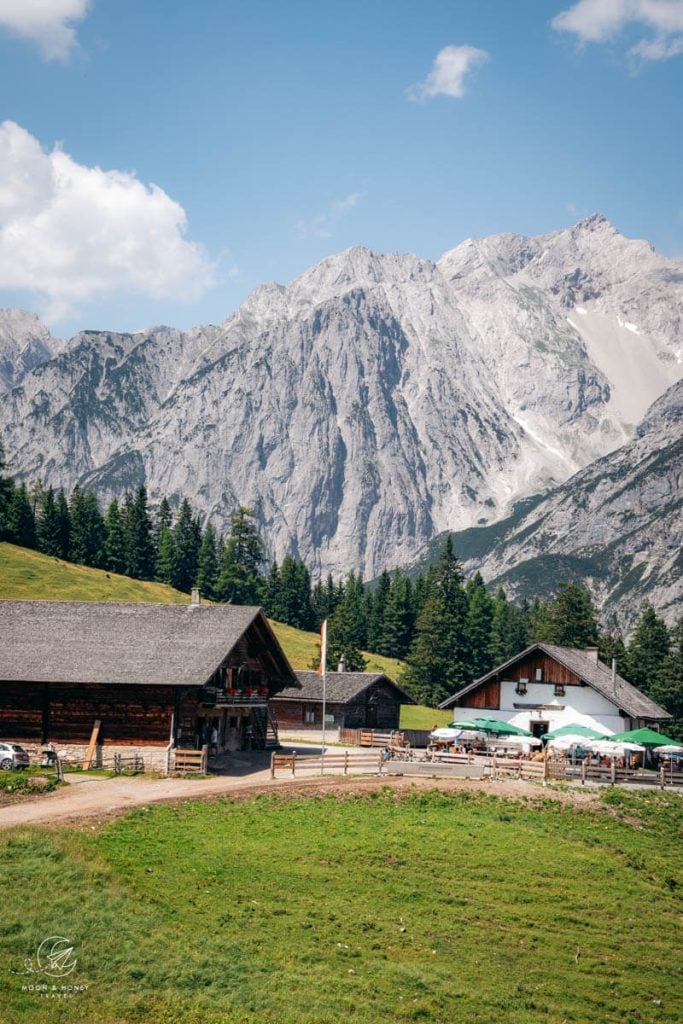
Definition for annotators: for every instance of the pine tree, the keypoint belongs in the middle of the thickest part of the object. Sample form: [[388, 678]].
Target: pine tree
[[648, 649], [436, 661], [611, 646], [667, 689], [574, 623], [399, 618], [48, 525], [186, 548], [87, 529], [63, 525], [20, 522], [207, 564], [343, 639], [293, 601], [165, 568], [114, 553], [140, 554], [239, 578], [376, 603], [6, 490], [478, 623]]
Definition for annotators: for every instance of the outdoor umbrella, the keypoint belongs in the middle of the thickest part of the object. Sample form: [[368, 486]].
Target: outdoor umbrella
[[670, 748], [610, 749], [498, 728], [445, 734], [648, 737], [574, 729], [569, 740]]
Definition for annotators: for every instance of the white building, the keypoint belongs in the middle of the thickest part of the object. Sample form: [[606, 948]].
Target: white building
[[545, 687]]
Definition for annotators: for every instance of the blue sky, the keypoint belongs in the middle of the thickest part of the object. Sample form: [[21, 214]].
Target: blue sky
[[276, 133]]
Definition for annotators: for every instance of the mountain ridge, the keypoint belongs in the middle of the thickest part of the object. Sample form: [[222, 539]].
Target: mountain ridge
[[375, 401]]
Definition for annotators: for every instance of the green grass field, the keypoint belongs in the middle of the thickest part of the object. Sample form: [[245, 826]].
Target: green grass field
[[425, 907], [417, 716], [30, 576]]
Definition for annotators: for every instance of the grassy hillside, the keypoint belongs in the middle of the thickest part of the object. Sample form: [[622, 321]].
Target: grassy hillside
[[428, 907], [29, 576]]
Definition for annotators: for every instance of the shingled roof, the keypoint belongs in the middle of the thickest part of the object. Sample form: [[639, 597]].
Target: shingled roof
[[154, 644], [622, 693], [340, 688]]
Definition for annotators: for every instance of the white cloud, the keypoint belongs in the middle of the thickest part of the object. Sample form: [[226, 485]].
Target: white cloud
[[598, 21], [45, 22], [70, 233], [447, 77], [324, 224]]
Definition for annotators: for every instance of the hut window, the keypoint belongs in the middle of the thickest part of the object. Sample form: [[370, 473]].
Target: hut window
[[309, 716], [539, 675], [559, 690], [521, 686]]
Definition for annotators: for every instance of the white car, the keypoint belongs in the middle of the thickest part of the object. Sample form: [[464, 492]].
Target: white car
[[12, 756]]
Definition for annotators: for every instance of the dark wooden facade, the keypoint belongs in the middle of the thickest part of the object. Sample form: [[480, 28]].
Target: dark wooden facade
[[234, 700], [377, 707]]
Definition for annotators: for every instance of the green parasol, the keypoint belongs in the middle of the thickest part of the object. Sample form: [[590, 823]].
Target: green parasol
[[646, 737], [576, 730], [498, 727]]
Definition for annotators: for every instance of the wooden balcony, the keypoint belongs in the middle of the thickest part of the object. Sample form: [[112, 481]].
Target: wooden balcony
[[235, 698]]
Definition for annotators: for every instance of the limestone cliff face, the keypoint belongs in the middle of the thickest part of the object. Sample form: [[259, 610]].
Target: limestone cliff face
[[375, 401], [24, 344], [616, 526]]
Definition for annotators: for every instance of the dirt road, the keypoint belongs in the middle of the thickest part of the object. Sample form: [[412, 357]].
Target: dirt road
[[99, 798]]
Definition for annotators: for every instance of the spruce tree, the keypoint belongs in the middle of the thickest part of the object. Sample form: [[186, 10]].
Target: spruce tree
[[344, 639], [573, 619], [63, 525], [239, 577], [667, 688], [87, 529], [6, 489], [20, 522], [478, 624], [399, 618], [165, 567], [376, 603], [140, 554], [48, 525], [207, 565], [114, 556], [186, 548], [437, 659], [648, 649]]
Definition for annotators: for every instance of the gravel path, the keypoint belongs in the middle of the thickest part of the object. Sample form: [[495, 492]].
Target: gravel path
[[98, 798]]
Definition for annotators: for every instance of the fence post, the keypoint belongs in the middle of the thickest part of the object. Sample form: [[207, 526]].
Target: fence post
[[495, 768], [293, 763], [60, 769], [612, 771], [662, 777], [583, 772], [117, 764], [346, 762], [272, 765], [546, 770], [204, 760]]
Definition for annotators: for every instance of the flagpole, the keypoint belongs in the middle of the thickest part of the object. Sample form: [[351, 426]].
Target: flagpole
[[323, 666]]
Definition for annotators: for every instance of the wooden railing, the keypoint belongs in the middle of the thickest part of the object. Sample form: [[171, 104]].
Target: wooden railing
[[191, 760], [337, 763]]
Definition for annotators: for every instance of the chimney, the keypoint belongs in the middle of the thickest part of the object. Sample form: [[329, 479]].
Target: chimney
[[592, 653], [341, 667], [195, 599]]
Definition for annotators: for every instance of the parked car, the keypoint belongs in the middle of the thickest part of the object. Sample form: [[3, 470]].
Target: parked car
[[12, 756]]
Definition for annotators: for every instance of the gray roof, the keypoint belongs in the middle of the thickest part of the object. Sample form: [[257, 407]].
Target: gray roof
[[623, 694], [93, 642], [340, 687]]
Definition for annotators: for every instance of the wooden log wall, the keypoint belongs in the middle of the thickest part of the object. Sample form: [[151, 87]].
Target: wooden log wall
[[552, 671], [66, 713]]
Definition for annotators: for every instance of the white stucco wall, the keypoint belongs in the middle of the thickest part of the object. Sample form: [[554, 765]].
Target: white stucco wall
[[580, 704]]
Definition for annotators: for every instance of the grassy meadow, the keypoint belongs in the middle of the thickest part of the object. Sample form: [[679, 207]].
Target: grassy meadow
[[366, 908], [27, 575]]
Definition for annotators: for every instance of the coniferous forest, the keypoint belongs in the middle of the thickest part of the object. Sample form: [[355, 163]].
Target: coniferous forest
[[448, 630]]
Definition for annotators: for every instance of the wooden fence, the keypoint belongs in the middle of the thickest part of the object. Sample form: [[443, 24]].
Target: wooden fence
[[338, 762], [384, 737], [191, 760]]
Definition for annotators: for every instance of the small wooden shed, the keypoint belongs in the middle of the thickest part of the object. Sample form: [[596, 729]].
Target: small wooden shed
[[354, 700]]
